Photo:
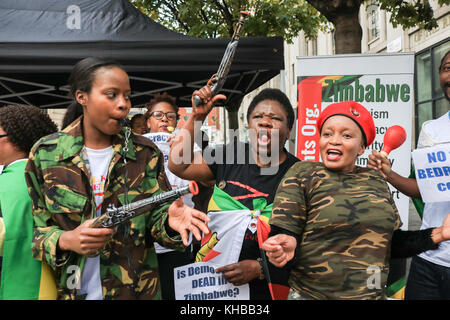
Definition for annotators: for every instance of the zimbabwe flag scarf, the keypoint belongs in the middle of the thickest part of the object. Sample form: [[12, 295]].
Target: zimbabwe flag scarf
[[229, 222]]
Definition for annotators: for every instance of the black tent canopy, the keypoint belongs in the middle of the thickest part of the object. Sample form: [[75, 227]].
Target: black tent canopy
[[41, 40]]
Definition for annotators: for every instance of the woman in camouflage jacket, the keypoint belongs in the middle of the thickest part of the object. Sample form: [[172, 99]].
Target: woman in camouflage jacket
[[65, 202]]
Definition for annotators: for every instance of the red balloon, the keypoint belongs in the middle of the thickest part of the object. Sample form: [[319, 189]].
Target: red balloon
[[393, 138]]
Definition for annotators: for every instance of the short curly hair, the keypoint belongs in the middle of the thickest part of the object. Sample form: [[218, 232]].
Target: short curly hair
[[164, 97], [25, 125], [274, 95]]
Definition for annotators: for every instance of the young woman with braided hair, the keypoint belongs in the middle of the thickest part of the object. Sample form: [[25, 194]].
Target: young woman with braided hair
[[75, 174]]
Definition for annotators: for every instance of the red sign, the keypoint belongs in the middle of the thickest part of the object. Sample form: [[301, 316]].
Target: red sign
[[309, 107]]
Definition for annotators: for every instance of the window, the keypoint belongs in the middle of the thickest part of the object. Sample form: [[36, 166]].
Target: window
[[333, 41], [423, 76], [312, 47], [373, 20]]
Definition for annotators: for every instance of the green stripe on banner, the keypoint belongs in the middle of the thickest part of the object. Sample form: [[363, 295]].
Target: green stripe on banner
[[418, 203], [226, 203], [396, 287]]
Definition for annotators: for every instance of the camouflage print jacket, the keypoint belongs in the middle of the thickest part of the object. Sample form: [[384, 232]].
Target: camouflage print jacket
[[344, 223], [58, 178]]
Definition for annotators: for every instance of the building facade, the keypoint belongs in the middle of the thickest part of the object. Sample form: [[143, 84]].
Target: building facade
[[378, 36]]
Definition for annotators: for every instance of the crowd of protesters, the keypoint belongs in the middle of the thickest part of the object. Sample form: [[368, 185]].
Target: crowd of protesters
[[327, 221]]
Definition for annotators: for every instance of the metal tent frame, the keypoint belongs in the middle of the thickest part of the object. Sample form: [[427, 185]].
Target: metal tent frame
[[38, 51]]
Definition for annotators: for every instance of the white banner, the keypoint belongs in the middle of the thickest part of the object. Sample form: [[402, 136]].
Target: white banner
[[227, 231], [433, 172], [199, 281], [160, 139]]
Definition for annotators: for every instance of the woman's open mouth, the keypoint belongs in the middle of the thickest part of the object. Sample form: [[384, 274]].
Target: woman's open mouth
[[333, 155], [263, 138]]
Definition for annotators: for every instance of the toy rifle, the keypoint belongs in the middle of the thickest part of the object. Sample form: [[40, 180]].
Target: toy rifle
[[227, 58], [115, 216]]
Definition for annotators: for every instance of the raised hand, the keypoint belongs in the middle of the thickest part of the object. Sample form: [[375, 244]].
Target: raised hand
[[201, 112], [377, 162], [183, 219]]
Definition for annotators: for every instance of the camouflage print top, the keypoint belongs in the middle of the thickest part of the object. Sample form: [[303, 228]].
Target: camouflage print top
[[58, 181], [345, 223]]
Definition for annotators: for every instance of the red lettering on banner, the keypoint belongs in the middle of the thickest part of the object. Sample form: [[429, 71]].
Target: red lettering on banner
[[309, 107], [251, 237]]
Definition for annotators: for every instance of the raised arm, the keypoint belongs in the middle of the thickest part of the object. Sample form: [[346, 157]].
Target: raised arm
[[407, 186], [183, 162]]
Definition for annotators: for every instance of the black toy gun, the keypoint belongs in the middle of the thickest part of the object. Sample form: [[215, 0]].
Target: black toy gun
[[115, 216], [227, 58]]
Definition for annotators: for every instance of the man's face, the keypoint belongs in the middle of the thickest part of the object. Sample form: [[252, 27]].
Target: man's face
[[444, 76]]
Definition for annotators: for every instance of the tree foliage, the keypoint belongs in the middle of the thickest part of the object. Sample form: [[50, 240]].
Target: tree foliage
[[217, 18], [410, 14], [286, 18], [406, 14], [344, 15]]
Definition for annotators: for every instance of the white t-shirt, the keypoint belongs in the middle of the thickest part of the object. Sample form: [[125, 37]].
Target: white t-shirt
[[98, 162], [160, 139], [436, 132]]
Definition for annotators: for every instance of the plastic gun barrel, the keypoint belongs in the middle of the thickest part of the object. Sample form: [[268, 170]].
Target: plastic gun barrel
[[115, 216]]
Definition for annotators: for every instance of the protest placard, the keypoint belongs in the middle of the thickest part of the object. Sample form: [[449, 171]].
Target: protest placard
[[432, 167], [199, 281]]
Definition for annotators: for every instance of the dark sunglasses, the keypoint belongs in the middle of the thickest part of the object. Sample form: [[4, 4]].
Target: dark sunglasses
[[159, 115]]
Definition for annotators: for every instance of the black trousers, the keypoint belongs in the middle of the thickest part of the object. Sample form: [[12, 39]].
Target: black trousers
[[167, 262], [427, 281]]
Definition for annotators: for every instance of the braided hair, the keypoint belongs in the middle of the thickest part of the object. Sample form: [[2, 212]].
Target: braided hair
[[25, 125]]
